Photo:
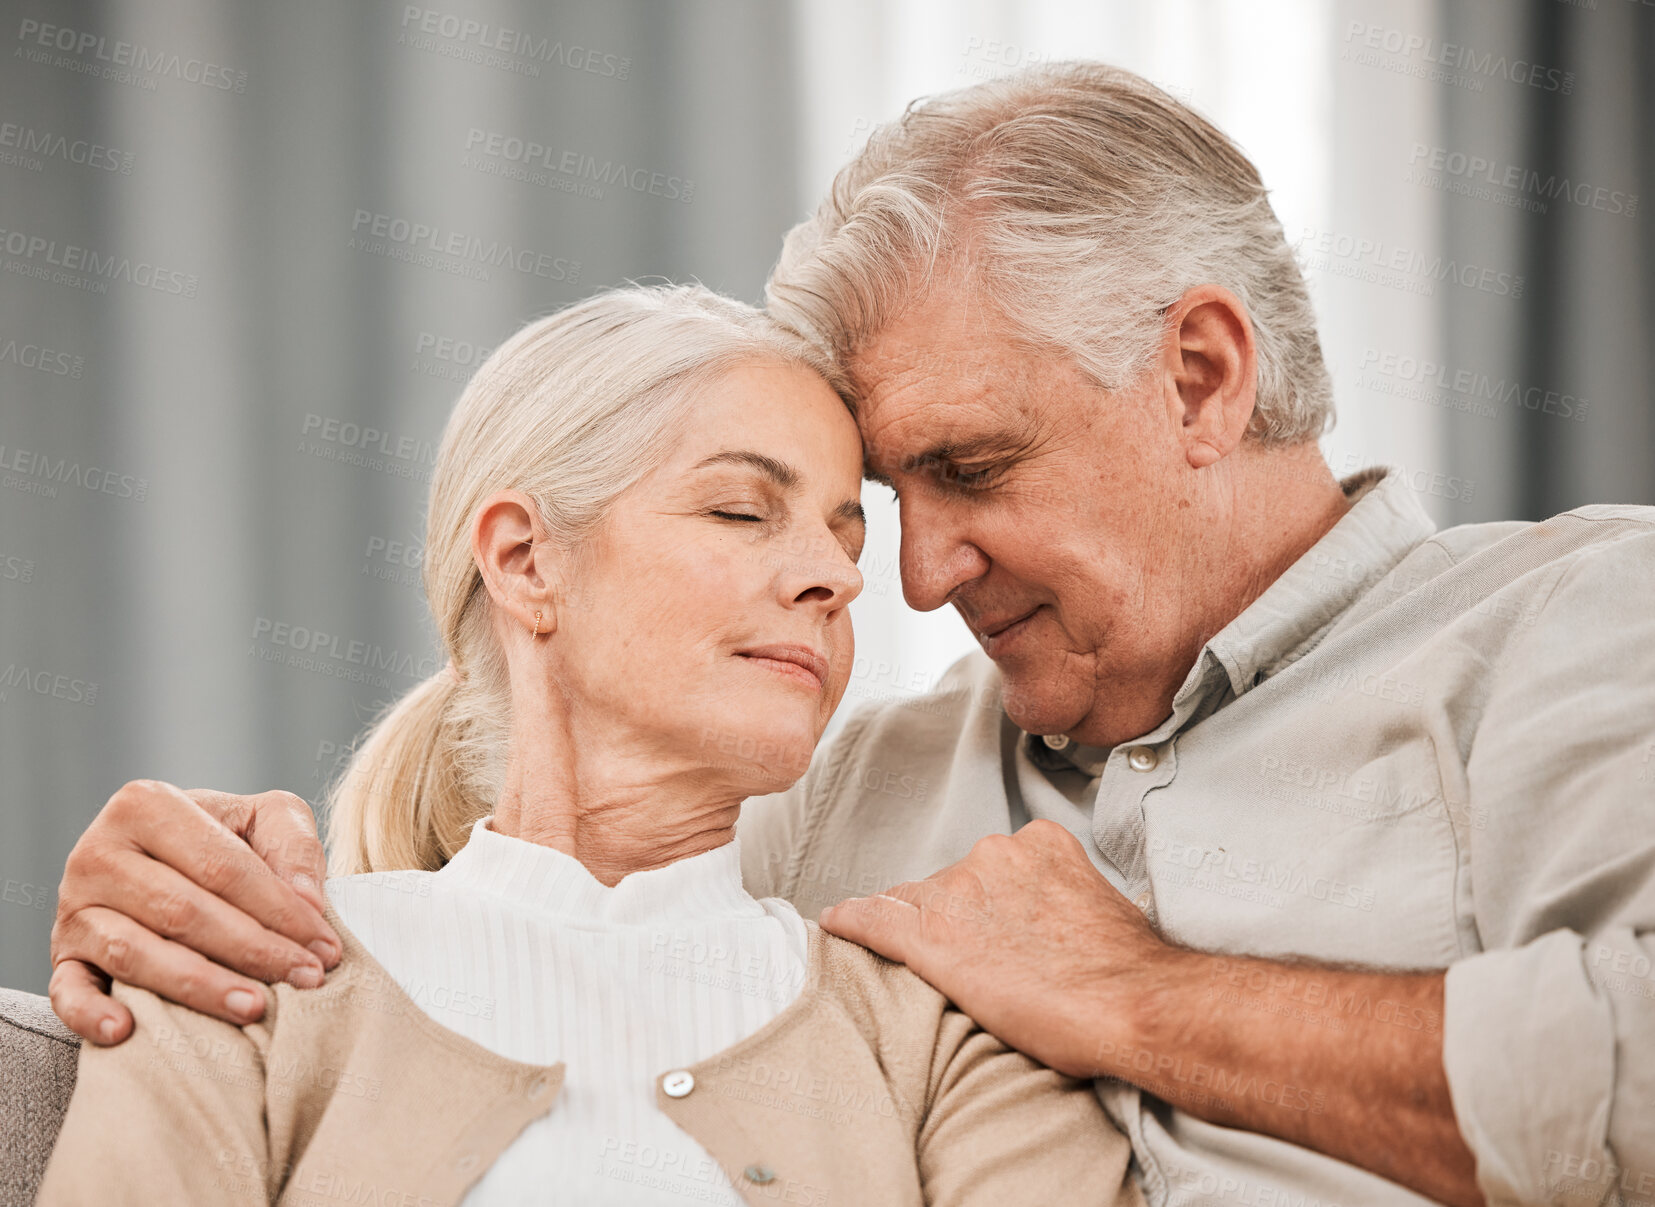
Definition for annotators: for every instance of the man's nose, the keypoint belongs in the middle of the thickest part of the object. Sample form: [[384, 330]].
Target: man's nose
[[936, 556]]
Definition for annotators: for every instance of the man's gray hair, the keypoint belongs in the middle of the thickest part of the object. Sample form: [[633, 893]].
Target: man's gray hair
[[1083, 201]]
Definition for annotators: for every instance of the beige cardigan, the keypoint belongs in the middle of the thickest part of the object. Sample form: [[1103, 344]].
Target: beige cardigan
[[869, 1088]]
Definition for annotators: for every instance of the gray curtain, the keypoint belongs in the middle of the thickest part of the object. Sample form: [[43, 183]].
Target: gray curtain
[[211, 296], [191, 488], [1581, 329]]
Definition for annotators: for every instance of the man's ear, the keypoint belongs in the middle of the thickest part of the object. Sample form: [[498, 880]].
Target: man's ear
[[1210, 368], [515, 558]]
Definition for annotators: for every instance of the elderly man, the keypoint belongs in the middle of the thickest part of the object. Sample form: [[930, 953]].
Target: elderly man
[[1325, 841]]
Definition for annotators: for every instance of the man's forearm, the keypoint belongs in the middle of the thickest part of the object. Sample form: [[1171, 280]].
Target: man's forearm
[[1346, 1063]]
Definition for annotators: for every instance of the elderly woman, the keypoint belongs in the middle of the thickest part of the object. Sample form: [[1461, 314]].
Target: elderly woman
[[642, 543]]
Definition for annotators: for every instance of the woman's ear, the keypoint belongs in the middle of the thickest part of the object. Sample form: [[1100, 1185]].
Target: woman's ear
[[1210, 367], [516, 559]]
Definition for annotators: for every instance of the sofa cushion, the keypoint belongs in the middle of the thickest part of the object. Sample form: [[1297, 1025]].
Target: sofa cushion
[[37, 1075]]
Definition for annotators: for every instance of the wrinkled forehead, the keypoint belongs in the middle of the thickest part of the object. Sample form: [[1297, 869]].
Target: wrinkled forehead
[[944, 373], [946, 404]]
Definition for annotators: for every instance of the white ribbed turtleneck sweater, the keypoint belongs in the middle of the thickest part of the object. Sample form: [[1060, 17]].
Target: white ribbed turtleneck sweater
[[519, 948]]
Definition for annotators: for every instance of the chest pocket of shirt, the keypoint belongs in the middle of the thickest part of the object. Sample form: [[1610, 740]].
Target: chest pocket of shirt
[[1311, 838]]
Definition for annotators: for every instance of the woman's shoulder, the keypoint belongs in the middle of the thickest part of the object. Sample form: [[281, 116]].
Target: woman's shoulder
[[884, 999], [332, 1081], [167, 1032], [913, 1031]]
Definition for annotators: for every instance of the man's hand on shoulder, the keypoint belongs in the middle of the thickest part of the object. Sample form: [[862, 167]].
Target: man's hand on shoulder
[[1027, 938], [995, 931], [188, 895]]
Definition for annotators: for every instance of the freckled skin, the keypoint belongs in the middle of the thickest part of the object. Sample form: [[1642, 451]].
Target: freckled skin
[[637, 727], [1131, 525], [1113, 515]]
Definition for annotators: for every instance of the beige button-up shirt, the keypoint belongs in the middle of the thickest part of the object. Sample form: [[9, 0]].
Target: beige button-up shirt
[[1415, 750]]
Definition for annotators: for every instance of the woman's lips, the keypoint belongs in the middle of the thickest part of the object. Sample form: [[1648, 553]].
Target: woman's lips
[[797, 662]]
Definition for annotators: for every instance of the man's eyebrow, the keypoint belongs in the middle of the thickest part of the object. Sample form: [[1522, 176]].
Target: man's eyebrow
[[778, 472], [947, 452], [850, 509]]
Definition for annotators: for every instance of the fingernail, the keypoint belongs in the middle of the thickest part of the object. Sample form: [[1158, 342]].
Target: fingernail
[[239, 1001], [305, 976], [304, 880], [106, 1030], [324, 951]]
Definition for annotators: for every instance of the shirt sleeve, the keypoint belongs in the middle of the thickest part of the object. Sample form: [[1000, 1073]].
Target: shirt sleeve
[[1549, 1032], [1000, 1127], [173, 1115]]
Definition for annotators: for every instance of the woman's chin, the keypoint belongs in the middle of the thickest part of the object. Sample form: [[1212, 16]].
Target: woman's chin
[[766, 757]]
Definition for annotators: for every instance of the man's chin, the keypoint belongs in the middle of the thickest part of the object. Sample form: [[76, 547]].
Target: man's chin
[[1035, 707]]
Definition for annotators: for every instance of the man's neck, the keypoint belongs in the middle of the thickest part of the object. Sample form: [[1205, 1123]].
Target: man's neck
[[1276, 504]]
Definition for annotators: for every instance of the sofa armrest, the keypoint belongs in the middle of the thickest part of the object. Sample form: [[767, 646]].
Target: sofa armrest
[[38, 1056]]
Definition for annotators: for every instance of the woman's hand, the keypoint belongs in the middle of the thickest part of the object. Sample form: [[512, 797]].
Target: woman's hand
[[172, 890]]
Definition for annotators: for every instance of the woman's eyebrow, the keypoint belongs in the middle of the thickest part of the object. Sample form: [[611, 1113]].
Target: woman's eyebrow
[[779, 472], [782, 474]]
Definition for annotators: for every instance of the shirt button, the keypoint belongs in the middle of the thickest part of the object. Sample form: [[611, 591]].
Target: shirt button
[[1056, 741], [759, 1173], [1142, 758], [1143, 901], [678, 1083], [466, 1163], [537, 1087]]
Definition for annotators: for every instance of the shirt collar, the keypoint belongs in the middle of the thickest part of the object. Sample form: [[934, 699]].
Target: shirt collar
[[540, 878]]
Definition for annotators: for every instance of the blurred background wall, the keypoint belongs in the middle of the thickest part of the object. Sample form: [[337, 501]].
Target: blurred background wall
[[227, 344]]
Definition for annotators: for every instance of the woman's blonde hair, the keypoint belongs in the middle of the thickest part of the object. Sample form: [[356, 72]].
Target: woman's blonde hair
[[1084, 201], [572, 410]]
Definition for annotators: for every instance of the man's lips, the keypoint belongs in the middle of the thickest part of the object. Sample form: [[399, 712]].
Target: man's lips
[[797, 661], [993, 629]]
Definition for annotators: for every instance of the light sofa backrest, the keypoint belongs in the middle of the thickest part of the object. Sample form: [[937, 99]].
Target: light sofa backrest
[[37, 1075]]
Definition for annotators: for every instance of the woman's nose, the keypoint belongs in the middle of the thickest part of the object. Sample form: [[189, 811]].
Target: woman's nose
[[823, 573]]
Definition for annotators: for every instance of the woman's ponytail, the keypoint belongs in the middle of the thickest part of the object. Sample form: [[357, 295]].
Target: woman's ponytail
[[399, 802]]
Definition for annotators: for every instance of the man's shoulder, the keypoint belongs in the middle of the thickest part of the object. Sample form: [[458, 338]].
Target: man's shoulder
[[1519, 563], [1566, 533]]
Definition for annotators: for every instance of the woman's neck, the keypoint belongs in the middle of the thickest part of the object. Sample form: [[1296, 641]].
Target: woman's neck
[[616, 812]]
